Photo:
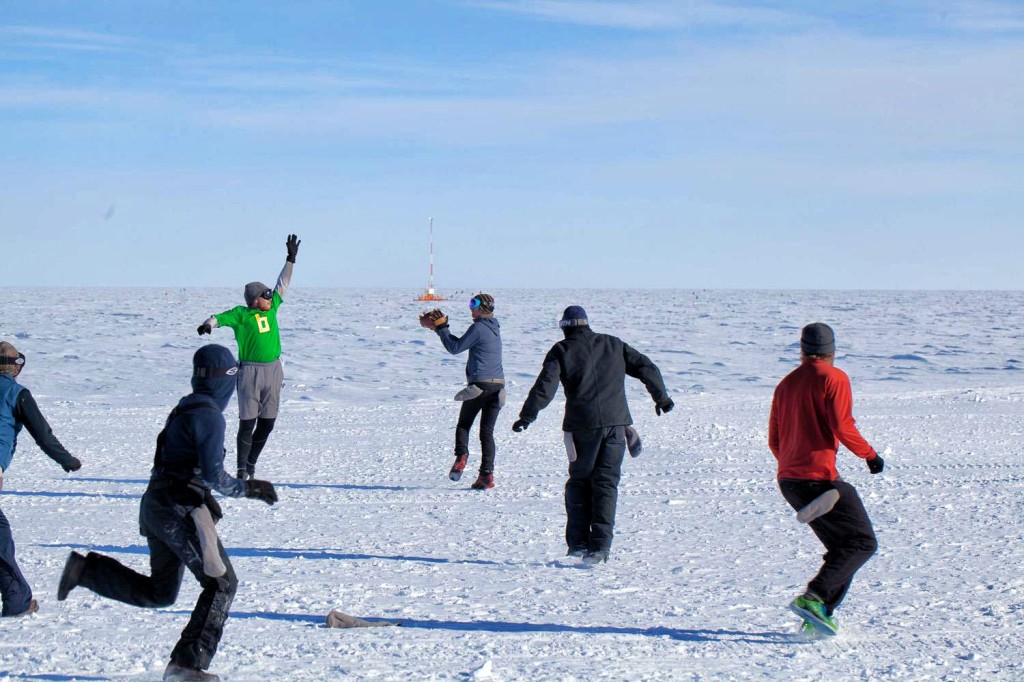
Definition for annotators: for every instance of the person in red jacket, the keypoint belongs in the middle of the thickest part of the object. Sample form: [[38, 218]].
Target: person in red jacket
[[811, 415]]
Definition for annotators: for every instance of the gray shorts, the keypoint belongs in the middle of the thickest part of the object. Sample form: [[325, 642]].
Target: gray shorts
[[259, 389]]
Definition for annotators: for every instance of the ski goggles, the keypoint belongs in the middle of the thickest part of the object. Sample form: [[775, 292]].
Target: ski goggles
[[214, 372], [17, 362], [475, 303]]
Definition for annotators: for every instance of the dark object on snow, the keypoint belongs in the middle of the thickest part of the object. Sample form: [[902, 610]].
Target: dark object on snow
[[337, 619], [876, 465]]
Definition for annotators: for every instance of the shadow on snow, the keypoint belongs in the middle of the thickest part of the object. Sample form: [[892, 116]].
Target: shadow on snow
[[332, 486]]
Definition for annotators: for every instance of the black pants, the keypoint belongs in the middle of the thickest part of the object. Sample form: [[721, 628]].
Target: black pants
[[487, 405], [251, 439], [845, 531], [592, 491], [17, 595], [173, 546]]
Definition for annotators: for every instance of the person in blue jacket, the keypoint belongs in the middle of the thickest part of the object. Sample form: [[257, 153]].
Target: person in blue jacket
[[177, 516], [18, 409], [485, 393]]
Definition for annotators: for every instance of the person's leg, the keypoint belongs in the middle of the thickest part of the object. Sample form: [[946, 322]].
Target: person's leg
[[605, 482], [467, 415], [201, 636], [848, 536], [244, 441], [579, 491], [109, 578], [259, 438], [17, 595], [488, 418]]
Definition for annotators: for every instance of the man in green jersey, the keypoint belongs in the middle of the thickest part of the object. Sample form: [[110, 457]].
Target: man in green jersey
[[259, 352]]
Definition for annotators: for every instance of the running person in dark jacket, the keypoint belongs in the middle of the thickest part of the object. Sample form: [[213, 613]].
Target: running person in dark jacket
[[260, 375], [177, 516], [592, 369], [19, 409], [811, 415], [485, 393]]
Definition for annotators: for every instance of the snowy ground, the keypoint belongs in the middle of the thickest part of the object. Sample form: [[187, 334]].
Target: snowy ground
[[707, 554]]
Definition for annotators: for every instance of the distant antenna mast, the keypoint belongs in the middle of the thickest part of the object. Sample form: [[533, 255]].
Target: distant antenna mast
[[429, 295]]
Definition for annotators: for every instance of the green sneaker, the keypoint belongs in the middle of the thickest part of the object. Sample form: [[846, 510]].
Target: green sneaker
[[813, 613]]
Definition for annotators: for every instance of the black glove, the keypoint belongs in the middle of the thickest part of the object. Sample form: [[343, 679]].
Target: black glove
[[876, 465], [292, 244], [520, 425], [261, 490], [204, 328], [662, 406], [75, 465]]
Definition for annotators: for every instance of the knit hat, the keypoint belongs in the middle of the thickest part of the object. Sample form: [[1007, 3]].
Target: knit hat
[[574, 316], [254, 290], [485, 302], [11, 361], [817, 339]]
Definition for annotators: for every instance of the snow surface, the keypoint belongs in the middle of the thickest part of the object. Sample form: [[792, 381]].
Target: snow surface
[[707, 554]]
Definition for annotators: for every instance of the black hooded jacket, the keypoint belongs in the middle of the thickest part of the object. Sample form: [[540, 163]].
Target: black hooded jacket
[[592, 369], [194, 440]]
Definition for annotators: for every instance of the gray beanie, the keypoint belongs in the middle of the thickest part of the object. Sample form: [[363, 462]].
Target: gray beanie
[[254, 290], [817, 339]]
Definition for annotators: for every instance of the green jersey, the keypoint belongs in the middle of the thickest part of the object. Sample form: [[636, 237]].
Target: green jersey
[[256, 332]]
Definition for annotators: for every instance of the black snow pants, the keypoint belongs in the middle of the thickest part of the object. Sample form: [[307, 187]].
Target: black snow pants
[[592, 491], [845, 531], [487, 405], [173, 546]]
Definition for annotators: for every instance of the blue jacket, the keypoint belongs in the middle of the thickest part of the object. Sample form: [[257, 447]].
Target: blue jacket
[[483, 341], [194, 442], [9, 426]]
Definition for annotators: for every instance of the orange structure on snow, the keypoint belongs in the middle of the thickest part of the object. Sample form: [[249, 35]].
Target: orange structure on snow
[[429, 294]]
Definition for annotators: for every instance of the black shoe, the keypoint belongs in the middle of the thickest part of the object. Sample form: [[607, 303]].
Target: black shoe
[[578, 552], [595, 557], [242, 475], [179, 673], [71, 576]]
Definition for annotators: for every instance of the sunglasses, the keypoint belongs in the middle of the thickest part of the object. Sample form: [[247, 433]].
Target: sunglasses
[[268, 294], [17, 362]]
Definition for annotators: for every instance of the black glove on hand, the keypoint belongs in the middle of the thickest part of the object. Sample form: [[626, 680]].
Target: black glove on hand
[[204, 328], [520, 425], [261, 490], [292, 244], [665, 405], [75, 465], [876, 465]]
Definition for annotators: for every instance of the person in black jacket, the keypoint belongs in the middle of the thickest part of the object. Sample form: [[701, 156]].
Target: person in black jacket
[[177, 516], [18, 409], [592, 369]]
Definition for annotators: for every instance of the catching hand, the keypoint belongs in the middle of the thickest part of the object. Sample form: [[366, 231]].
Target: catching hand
[[437, 319], [292, 244], [520, 425], [75, 465], [204, 328], [261, 490], [876, 465], [663, 406]]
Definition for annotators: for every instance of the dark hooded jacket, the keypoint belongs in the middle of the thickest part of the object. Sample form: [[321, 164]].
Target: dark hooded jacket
[[194, 440], [592, 368], [483, 341]]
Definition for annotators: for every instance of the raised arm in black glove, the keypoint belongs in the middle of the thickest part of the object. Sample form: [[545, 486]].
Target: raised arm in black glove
[[292, 244], [662, 406], [261, 490], [876, 465], [520, 425], [204, 328]]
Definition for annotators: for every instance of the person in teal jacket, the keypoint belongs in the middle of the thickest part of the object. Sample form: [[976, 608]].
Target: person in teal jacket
[[19, 409]]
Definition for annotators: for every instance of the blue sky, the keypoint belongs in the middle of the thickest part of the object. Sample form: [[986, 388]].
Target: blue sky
[[556, 143]]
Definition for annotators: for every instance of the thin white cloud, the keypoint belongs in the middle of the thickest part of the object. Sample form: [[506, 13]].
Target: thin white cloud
[[54, 38], [646, 15], [983, 16]]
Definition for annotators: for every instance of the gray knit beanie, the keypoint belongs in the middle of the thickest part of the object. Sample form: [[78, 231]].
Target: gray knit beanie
[[817, 339], [254, 290]]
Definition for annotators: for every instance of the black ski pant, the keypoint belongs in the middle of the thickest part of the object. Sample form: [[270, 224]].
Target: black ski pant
[[487, 405], [845, 531], [173, 546], [252, 437], [17, 595], [592, 491]]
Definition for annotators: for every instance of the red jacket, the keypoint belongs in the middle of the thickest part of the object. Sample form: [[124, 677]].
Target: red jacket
[[811, 415]]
